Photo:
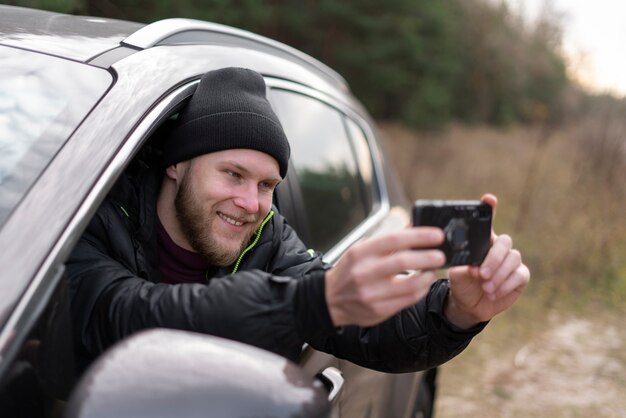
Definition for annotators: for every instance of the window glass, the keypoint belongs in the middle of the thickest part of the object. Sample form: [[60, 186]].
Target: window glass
[[42, 100], [365, 164], [325, 166]]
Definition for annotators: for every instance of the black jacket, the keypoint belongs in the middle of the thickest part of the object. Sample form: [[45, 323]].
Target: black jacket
[[274, 301]]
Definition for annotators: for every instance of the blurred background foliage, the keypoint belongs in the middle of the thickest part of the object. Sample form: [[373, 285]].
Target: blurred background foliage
[[424, 63]]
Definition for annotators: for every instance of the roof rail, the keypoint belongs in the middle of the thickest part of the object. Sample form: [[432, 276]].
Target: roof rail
[[190, 31]]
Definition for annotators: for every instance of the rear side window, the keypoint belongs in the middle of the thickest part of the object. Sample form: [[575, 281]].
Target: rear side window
[[335, 196]]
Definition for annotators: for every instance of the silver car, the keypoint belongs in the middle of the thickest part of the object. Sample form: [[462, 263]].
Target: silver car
[[79, 97]]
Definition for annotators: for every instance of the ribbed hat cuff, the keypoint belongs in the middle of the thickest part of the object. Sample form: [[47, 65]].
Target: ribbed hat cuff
[[228, 130]]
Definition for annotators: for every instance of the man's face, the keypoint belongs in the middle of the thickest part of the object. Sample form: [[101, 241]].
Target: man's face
[[222, 199]]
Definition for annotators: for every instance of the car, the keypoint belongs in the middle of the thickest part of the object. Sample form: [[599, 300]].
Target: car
[[80, 98]]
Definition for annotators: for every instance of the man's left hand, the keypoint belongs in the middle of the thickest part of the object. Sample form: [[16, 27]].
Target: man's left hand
[[477, 294]]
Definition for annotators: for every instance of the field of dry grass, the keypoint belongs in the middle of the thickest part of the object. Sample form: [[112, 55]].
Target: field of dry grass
[[565, 216], [560, 352]]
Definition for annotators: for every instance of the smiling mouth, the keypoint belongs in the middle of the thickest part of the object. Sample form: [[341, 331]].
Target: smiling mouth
[[230, 220]]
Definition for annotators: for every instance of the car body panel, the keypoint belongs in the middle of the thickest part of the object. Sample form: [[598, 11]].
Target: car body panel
[[78, 38], [178, 31]]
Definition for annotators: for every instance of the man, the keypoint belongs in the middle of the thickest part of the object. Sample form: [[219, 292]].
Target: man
[[197, 246]]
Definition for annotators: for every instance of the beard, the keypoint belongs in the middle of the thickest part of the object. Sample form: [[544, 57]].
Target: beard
[[197, 225]]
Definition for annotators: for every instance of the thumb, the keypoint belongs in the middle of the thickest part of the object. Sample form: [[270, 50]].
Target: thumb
[[474, 271], [492, 201]]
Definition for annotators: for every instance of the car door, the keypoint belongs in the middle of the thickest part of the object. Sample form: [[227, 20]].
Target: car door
[[336, 197]]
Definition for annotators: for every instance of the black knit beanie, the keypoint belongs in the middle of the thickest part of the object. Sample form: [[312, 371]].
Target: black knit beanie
[[228, 110]]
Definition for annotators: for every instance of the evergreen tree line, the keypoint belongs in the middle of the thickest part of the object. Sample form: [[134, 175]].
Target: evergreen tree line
[[424, 63]]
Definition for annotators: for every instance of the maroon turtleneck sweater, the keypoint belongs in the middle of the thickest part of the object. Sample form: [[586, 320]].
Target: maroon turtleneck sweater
[[178, 265]]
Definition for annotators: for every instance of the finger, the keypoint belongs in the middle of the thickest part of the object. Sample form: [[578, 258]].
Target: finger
[[398, 287], [415, 237], [516, 282], [474, 271], [464, 271], [511, 262], [386, 308], [496, 255], [376, 303], [492, 201], [381, 268]]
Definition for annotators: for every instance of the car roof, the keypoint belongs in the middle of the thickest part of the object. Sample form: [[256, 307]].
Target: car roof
[[74, 37], [87, 39]]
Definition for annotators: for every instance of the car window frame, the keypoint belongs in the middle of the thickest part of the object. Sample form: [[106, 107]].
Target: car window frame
[[380, 199]]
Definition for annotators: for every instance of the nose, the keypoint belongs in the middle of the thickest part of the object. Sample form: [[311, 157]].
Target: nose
[[248, 198]]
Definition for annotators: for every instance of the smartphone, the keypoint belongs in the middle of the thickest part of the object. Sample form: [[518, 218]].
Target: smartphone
[[465, 223]]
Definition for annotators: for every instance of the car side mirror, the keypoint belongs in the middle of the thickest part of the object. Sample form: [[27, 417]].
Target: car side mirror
[[167, 373]]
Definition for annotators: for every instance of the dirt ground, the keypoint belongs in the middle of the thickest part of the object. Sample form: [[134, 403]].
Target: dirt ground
[[573, 366]]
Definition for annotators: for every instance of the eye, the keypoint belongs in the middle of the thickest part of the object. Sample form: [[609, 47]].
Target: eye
[[266, 185], [233, 174]]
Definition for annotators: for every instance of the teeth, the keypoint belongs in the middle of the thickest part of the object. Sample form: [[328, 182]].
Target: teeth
[[230, 220]]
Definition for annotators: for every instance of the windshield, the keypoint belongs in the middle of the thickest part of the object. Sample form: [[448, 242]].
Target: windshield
[[42, 101]]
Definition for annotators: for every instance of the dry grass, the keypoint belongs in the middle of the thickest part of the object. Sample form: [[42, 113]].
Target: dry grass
[[564, 216], [559, 351]]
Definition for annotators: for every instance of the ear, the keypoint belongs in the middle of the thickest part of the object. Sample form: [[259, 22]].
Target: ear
[[172, 172], [177, 171]]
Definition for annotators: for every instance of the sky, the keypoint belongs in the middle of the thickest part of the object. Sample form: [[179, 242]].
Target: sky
[[594, 39]]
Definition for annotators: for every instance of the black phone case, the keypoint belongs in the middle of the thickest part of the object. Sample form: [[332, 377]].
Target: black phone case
[[466, 224]]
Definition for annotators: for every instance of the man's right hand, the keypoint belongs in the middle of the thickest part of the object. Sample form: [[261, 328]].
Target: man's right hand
[[369, 283]]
